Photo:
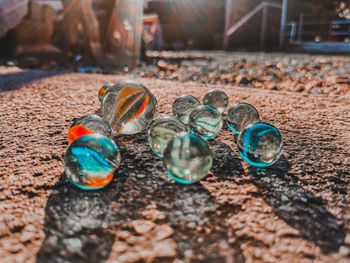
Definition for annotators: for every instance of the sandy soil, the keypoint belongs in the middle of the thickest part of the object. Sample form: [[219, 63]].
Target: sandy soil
[[296, 211]]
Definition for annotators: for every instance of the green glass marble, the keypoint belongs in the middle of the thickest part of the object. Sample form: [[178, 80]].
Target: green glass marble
[[161, 131], [183, 106], [187, 158], [240, 116], [128, 107], [205, 121], [260, 144], [90, 161], [216, 99]]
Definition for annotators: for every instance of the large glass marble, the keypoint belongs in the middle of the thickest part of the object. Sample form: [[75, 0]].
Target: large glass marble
[[90, 161], [240, 116], [161, 131], [205, 121], [128, 107], [89, 124], [183, 106], [260, 144], [187, 158], [102, 91], [216, 99]]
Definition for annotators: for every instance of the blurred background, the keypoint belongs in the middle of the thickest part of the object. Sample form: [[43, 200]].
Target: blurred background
[[106, 35]]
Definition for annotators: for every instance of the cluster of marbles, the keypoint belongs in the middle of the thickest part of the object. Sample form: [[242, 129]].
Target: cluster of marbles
[[181, 139], [260, 144], [93, 157], [128, 107]]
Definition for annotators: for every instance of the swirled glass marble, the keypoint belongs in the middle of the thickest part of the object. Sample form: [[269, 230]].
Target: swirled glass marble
[[240, 116], [89, 124], [183, 106], [161, 131], [260, 144], [102, 91], [90, 161], [128, 107], [216, 99], [205, 121], [187, 158]]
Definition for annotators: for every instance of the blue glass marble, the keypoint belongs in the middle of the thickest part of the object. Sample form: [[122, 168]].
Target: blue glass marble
[[205, 121], [187, 158], [90, 161], [161, 131], [260, 144], [240, 116]]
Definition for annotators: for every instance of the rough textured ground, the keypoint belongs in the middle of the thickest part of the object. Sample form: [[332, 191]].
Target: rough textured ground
[[296, 211]]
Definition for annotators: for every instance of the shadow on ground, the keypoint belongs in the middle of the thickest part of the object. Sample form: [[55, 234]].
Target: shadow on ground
[[298, 207], [82, 226], [15, 80]]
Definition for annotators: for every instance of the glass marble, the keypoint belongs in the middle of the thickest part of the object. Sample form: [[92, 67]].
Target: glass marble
[[128, 107], [187, 158], [183, 106], [205, 121], [260, 144], [89, 124], [161, 131], [216, 99], [102, 91], [240, 116], [90, 161]]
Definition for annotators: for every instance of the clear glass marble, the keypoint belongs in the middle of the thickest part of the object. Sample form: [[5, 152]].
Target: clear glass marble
[[205, 121], [183, 106], [260, 144], [90, 161], [216, 99], [102, 91], [240, 116], [187, 158], [89, 124], [161, 131], [129, 107]]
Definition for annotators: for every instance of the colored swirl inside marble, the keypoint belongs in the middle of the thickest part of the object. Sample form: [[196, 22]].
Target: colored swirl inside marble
[[77, 132], [205, 121]]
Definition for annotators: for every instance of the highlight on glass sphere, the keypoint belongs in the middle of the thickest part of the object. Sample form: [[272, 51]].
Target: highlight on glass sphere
[[128, 107], [260, 144], [102, 91], [183, 106], [187, 158], [205, 121], [161, 131], [89, 124], [240, 116], [90, 161], [216, 99]]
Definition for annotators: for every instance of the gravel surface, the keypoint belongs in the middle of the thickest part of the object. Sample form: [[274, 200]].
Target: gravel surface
[[298, 210], [275, 71]]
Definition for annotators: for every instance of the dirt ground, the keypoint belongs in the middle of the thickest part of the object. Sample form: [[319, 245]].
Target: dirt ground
[[298, 210]]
